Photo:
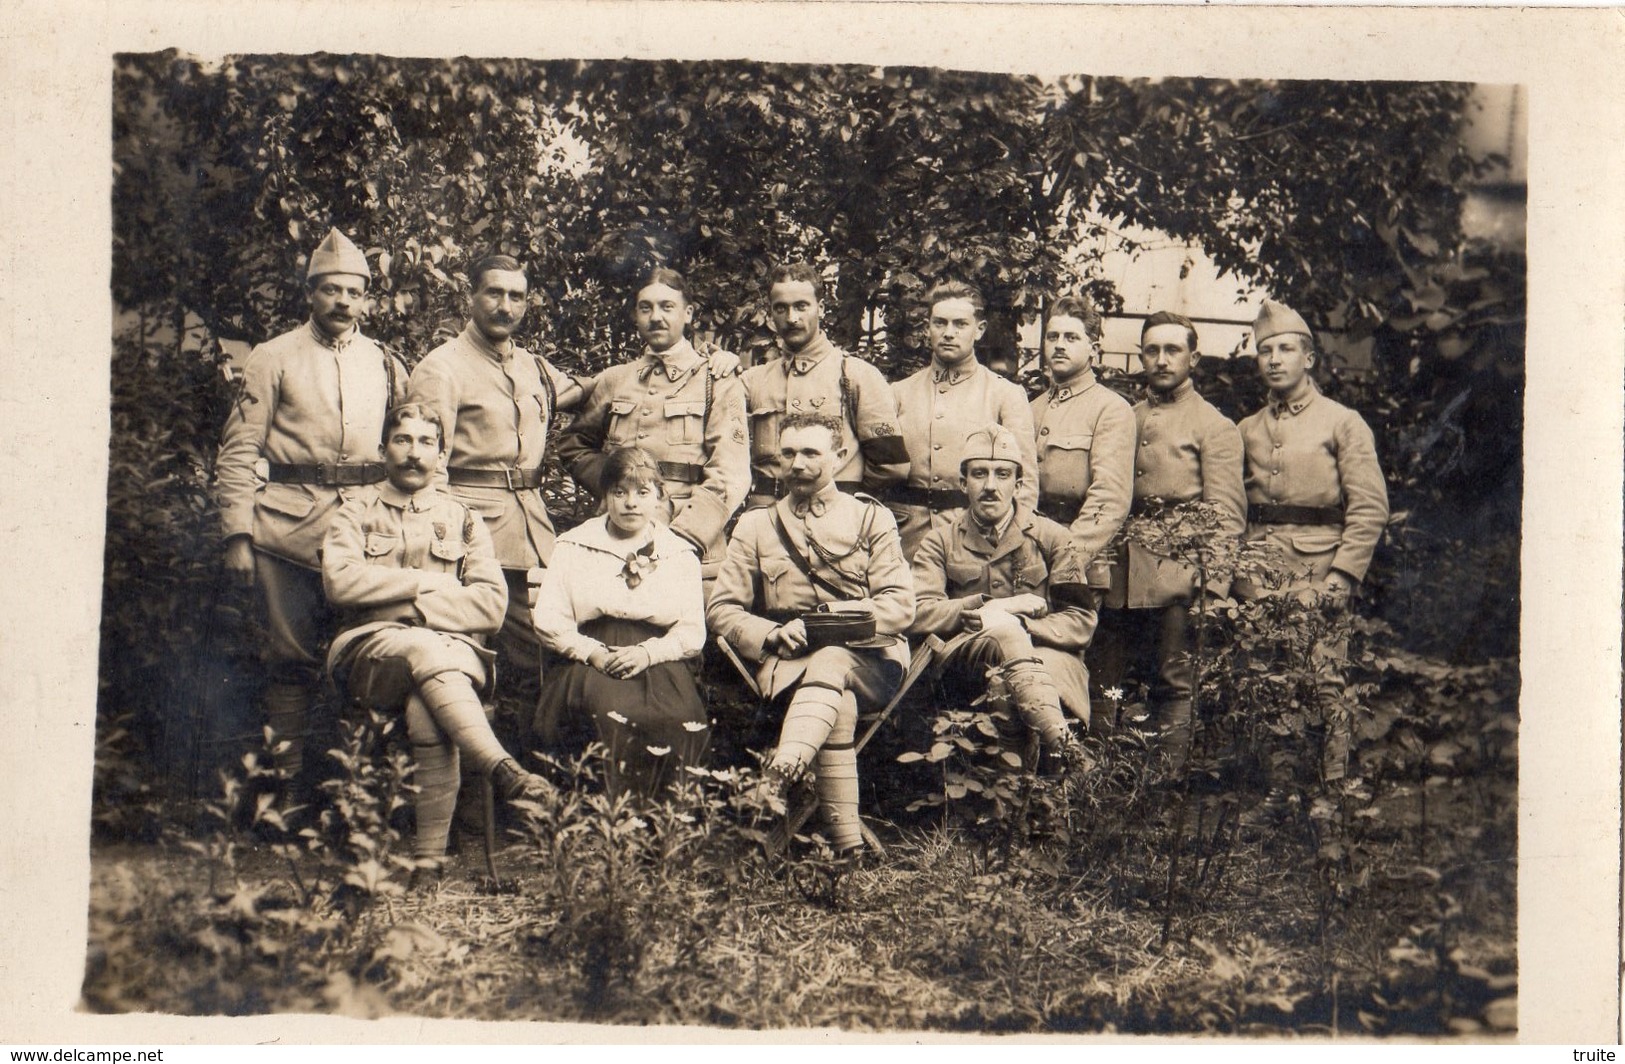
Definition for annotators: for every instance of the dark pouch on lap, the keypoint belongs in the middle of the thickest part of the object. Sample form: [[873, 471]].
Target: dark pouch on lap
[[379, 683]]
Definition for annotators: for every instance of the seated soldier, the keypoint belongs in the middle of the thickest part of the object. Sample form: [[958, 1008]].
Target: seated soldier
[[414, 574], [817, 549], [1005, 587]]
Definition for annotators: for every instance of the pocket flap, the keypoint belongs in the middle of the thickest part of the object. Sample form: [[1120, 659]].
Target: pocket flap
[[1075, 441], [1316, 541], [290, 499], [380, 544], [449, 550], [622, 407], [964, 574], [773, 569], [685, 408]]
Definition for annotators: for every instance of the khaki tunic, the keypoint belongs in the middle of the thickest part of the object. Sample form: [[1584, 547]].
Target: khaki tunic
[[811, 382], [496, 410], [858, 552], [937, 409], [304, 399], [1312, 451], [958, 569], [1085, 436], [394, 560], [1187, 450], [674, 409]]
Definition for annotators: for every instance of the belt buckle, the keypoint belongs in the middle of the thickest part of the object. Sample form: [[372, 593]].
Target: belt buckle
[[507, 475]]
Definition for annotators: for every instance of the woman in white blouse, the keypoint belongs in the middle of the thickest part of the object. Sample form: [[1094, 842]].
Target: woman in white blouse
[[621, 602]]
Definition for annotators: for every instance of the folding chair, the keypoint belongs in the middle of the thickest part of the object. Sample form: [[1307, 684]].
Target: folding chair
[[923, 656]]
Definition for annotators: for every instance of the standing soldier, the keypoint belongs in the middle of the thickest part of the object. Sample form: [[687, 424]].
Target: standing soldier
[[1004, 587], [495, 400], [816, 376], [818, 548], [670, 403], [1187, 451], [1085, 434], [309, 413], [945, 402], [1314, 488]]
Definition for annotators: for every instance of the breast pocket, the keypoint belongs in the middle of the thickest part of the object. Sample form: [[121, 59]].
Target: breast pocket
[[1066, 463], [380, 546], [623, 426], [965, 577], [776, 587], [764, 432], [685, 421], [449, 553]]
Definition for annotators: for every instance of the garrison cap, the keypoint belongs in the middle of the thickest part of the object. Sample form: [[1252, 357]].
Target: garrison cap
[[1276, 318], [994, 442], [337, 254]]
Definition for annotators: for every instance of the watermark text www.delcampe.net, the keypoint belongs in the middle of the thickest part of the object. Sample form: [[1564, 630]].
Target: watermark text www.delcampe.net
[[90, 1056]]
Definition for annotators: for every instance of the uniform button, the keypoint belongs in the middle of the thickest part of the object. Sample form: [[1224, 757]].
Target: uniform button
[[939, 417], [647, 410], [936, 446], [942, 389], [1044, 431], [1145, 443], [1139, 472], [344, 458], [643, 435]]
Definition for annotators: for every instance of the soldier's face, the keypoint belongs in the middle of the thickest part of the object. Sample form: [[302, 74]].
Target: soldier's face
[[1068, 351], [661, 314], [412, 454], [499, 303], [990, 484], [632, 506], [337, 301], [1284, 361], [796, 312], [1166, 356], [808, 458], [953, 330]]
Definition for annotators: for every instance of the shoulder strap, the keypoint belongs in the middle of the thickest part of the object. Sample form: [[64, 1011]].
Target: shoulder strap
[[849, 402], [548, 387], [391, 377], [800, 562]]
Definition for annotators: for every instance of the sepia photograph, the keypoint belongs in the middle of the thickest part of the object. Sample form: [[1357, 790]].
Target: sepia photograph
[[765, 545]]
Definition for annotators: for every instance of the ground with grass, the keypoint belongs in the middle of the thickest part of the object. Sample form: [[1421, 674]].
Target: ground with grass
[[1127, 901]]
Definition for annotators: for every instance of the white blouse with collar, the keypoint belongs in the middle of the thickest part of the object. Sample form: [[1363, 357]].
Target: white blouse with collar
[[584, 581]]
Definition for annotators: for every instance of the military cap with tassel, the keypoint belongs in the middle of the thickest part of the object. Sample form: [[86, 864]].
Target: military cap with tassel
[[337, 254]]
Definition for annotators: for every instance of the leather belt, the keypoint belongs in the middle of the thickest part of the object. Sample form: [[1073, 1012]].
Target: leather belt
[[1269, 513], [760, 485], [685, 472], [327, 474], [906, 495], [1061, 508], [509, 477]]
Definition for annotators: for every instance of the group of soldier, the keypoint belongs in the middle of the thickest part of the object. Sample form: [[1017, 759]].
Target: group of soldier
[[810, 489]]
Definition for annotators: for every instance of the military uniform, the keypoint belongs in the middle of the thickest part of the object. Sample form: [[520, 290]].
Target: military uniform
[[495, 406], [693, 424], [850, 543], [962, 567], [1085, 441], [421, 588], [1187, 451], [821, 378], [301, 439], [937, 409], [1315, 491], [1314, 487]]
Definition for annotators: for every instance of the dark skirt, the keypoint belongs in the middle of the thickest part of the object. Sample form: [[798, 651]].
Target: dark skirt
[[653, 724]]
